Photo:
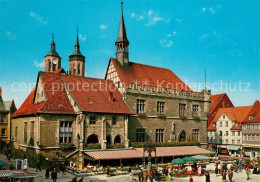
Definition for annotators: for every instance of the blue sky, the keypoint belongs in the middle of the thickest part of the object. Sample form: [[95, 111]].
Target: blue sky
[[187, 37]]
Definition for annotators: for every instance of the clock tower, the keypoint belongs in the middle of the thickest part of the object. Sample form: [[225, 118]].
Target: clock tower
[[52, 61]]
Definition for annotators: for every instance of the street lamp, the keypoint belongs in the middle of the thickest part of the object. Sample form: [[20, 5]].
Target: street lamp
[[149, 147]]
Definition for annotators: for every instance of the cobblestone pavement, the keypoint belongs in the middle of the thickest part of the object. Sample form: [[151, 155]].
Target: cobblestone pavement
[[238, 177]]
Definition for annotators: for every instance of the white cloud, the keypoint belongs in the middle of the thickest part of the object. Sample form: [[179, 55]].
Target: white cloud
[[174, 32], [150, 12], [204, 9], [166, 43], [83, 37], [150, 17], [39, 18], [103, 27], [10, 35], [169, 35], [133, 15], [38, 64], [178, 20], [212, 11]]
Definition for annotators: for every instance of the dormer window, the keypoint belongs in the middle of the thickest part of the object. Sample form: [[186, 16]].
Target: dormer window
[[214, 125], [251, 117], [224, 116]]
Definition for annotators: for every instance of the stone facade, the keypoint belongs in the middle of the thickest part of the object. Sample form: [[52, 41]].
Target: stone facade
[[251, 137]]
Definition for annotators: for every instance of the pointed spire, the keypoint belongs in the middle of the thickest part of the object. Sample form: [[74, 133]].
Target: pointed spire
[[122, 38], [77, 54], [53, 52]]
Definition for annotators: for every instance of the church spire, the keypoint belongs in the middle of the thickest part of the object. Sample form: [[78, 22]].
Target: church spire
[[53, 52], [77, 60], [122, 42]]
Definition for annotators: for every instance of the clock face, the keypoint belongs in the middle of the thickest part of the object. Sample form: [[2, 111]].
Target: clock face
[[55, 61]]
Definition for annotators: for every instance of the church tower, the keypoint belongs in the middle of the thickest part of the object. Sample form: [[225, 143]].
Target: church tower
[[77, 60], [52, 61], [122, 42]]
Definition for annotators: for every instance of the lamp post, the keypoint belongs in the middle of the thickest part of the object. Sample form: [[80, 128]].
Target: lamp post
[[149, 147]]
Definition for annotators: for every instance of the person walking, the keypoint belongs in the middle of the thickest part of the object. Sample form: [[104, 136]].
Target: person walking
[[247, 173], [199, 171], [38, 166], [168, 178], [230, 175], [155, 175], [140, 176], [240, 166], [216, 169], [224, 176], [207, 175], [54, 175], [47, 173], [108, 171]]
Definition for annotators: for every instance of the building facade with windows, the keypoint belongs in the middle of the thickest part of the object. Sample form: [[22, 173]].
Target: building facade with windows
[[225, 129], [251, 131], [165, 108], [7, 108]]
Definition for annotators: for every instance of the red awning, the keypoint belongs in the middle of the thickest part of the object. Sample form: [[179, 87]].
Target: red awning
[[138, 152]]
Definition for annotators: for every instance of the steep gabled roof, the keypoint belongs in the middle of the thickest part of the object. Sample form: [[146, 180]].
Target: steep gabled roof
[[93, 95], [90, 99], [148, 75], [253, 115]]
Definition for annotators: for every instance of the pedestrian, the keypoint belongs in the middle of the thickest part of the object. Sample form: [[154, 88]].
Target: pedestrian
[[221, 170], [74, 179], [155, 175], [225, 166], [63, 170], [216, 169], [145, 176], [247, 173], [191, 179], [230, 175], [199, 171], [9, 157], [240, 166], [54, 175], [207, 175], [140, 175], [47, 173], [108, 170], [224, 176], [38, 166], [168, 178]]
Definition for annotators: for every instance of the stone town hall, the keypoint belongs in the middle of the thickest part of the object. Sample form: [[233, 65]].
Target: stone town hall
[[134, 103]]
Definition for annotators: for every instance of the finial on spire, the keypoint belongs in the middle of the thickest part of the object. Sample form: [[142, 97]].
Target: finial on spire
[[122, 6], [77, 29], [53, 37]]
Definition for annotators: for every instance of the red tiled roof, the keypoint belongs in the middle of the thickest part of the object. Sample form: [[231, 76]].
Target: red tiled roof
[[138, 152], [254, 113], [215, 99], [91, 100], [28, 107], [236, 114], [96, 99], [148, 75]]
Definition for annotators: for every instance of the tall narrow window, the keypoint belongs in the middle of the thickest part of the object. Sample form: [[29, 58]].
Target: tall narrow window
[[182, 109], [74, 69], [65, 132], [140, 135], [226, 123], [15, 133], [78, 69], [49, 65], [195, 110], [114, 119], [140, 106], [32, 130], [3, 132], [159, 135], [3, 118], [25, 133], [160, 107], [195, 135]]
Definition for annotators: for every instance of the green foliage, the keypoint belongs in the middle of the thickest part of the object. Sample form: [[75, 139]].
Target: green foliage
[[183, 118], [142, 115], [196, 118], [66, 146], [163, 116], [119, 145], [93, 146], [164, 144]]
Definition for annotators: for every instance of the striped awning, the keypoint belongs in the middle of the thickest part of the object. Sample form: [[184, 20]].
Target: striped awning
[[138, 152]]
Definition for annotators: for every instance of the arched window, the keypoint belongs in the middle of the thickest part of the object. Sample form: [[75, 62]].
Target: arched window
[[182, 136], [92, 139], [74, 69], [78, 69], [117, 139], [108, 138], [49, 65]]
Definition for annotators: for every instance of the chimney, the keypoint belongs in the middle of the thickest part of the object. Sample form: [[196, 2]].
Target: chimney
[[0, 91], [111, 97], [256, 102]]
